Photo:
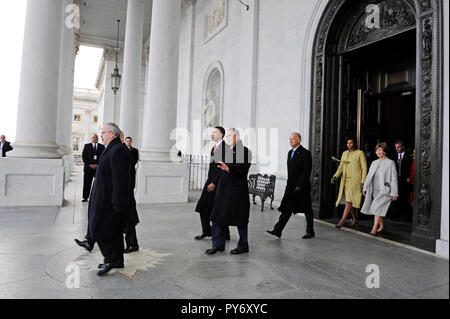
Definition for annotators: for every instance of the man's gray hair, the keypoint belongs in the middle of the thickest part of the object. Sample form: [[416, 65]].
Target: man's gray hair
[[113, 128], [298, 134], [234, 130]]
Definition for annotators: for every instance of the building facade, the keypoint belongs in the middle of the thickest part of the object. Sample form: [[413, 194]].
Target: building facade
[[329, 69]]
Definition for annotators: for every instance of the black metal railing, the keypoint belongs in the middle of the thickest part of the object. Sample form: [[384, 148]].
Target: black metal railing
[[198, 166]]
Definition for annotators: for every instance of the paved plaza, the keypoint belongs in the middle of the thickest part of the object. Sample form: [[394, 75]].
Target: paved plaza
[[37, 248]]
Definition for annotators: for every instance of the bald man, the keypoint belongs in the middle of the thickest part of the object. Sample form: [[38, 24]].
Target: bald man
[[297, 196], [91, 157]]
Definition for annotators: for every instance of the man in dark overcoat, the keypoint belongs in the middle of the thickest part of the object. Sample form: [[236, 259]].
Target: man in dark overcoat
[[133, 218], [232, 204], [109, 204], [297, 196], [91, 157], [206, 202]]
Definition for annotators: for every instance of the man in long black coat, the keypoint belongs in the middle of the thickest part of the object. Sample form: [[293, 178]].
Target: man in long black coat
[[297, 196], [133, 218], [109, 204], [232, 203], [206, 202], [91, 157]]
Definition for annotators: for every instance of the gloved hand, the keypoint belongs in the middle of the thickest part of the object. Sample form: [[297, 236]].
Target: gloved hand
[[333, 180], [298, 189]]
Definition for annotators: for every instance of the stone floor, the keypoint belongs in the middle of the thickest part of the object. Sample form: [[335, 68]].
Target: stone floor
[[37, 248]]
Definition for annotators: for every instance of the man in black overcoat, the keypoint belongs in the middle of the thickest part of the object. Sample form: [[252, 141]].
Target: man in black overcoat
[[232, 203], [297, 196], [206, 202], [133, 218], [91, 157], [109, 204]]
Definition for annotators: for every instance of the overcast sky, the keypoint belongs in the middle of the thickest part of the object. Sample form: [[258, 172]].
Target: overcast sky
[[11, 32]]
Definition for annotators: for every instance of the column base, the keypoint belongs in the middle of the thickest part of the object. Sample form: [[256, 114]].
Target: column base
[[67, 167], [162, 182], [31, 182], [35, 151], [442, 248]]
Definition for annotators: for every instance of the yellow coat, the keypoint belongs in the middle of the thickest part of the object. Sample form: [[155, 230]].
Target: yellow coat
[[353, 171]]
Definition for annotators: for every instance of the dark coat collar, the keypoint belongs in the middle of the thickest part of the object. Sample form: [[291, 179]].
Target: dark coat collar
[[112, 143]]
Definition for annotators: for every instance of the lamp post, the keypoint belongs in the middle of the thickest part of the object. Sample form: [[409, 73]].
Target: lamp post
[[115, 76]]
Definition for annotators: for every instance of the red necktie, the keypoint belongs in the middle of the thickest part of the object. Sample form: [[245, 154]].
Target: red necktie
[[214, 149]]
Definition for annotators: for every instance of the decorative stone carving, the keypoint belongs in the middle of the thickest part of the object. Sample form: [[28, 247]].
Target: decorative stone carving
[[190, 3], [427, 38], [209, 111], [425, 5], [395, 16], [216, 20], [110, 53], [424, 206]]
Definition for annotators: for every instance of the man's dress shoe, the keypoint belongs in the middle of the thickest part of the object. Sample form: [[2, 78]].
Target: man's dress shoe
[[308, 236], [84, 244], [238, 251], [84, 200], [272, 232], [130, 249], [200, 237], [108, 266], [213, 250], [118, 265]]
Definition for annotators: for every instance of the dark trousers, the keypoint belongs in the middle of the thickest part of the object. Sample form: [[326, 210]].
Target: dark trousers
[[87, 183], [219, 233], [285, 216], [206, 224], [112, 249], [130, 236]]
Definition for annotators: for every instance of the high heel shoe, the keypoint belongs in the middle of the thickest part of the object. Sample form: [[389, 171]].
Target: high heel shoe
[[355, 225], [338, 227], [380, 231]]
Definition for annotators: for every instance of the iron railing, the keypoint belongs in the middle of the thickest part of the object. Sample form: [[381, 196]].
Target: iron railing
[[77, 160], [198, 166]]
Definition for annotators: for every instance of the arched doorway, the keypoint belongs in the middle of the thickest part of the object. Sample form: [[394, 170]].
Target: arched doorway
[[376, 76]]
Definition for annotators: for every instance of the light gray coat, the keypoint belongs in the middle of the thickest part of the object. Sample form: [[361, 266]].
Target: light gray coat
[[388, 186]]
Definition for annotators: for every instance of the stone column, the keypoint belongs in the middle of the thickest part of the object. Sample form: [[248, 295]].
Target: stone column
[[110, 109], [132, 64], [34, 176], [38, 99], [162, 179], [65, 98]]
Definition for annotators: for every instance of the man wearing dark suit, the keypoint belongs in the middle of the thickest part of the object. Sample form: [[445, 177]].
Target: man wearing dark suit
[[297, 196], [403, 162], [232, 203], [133, 218], [206, 202], [109, 204], [5, 146], [91, 156]]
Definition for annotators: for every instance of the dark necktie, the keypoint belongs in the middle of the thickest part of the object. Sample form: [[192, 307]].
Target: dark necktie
[[400, 159]]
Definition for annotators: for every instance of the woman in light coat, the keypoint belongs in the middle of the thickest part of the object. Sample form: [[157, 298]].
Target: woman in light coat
[[352, 171], [380, 188]]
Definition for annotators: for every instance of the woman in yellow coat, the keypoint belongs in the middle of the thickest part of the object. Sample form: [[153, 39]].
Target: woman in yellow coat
[[352, 171]]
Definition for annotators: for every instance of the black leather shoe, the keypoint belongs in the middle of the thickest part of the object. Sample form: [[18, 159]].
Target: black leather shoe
[[108, 266], [238, 251], [200, 237], [213, 250], [272, 232], [84, 244], [118, 265], [84, 200], [308, 236], [130, 249]]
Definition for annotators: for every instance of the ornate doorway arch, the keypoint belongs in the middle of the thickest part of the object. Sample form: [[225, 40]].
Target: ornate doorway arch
[[349, 24]]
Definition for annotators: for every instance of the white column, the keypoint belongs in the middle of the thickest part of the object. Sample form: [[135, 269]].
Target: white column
[[161, 180], [35, 174], [38, 100], [65, 98], [161, 104], [129, 106], [110, 110]]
